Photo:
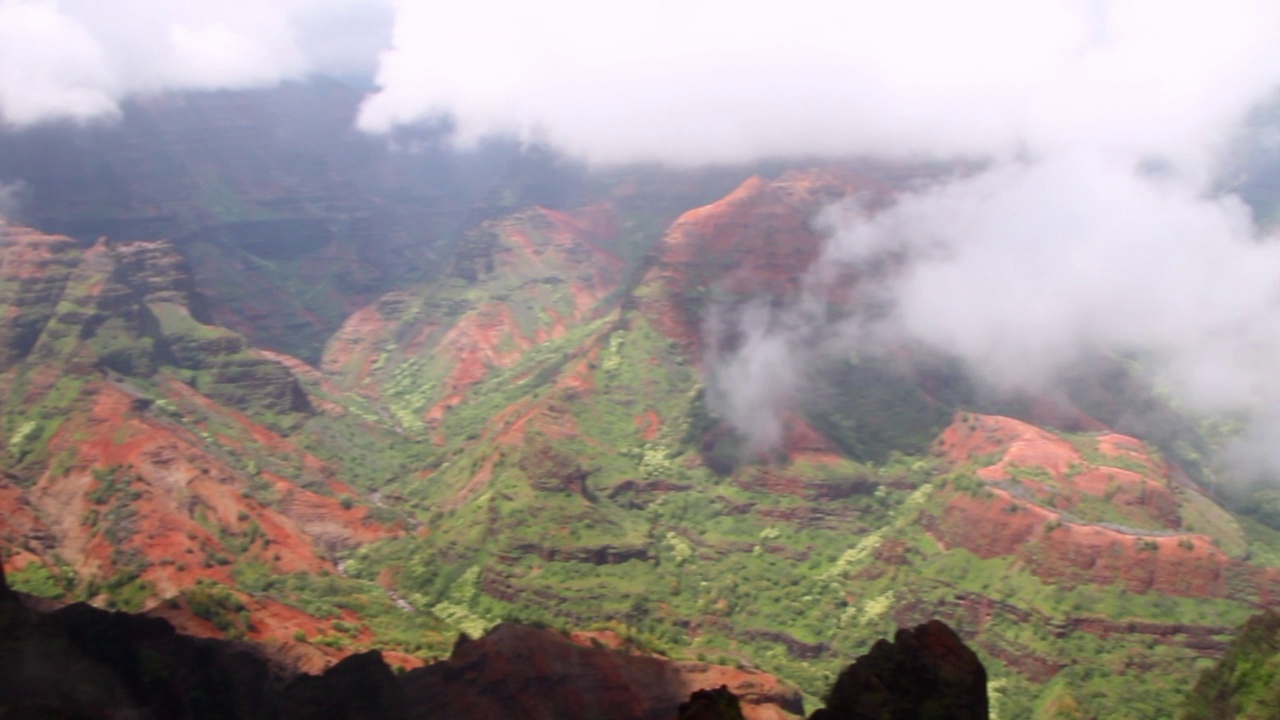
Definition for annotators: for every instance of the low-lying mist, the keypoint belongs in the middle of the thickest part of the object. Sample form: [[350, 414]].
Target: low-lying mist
[[1023, 271]]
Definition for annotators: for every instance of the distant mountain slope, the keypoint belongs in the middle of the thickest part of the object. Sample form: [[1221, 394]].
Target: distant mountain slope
[[292, 218]]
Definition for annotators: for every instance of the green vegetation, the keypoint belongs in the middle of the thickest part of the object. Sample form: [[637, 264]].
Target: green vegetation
[[37, 579], [219, 605], [28, 427], [870, 409], [794, 582], [1246, 682], [412, 631], [125, 590]]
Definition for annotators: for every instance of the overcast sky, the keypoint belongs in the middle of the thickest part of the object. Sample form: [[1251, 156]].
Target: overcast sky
[[725, 79], [689, 81]]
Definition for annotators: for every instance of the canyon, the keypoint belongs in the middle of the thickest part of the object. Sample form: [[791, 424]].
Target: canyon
[[328, 398]]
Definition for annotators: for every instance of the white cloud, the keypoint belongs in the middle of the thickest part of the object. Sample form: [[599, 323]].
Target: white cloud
[[725, 80], [77, 59], [1021, 268], [1027, 268], [217, 55], [10, 199], [50, 65], [708, 80]]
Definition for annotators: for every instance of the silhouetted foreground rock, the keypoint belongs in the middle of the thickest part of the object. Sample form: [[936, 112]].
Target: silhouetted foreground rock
[[83, 662], [522, 672], [926, 673], [716, 704], [6, 595]]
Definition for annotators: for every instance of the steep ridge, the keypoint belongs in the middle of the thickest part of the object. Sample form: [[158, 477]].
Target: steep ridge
[[135, 508], [126, 308], [753, 250], [519, 283], [125, 485], [34, 269], [1099, 509], [758, 240]]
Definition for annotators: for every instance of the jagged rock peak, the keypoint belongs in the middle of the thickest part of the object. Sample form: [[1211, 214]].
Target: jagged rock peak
[[926, 672], [715, 704]]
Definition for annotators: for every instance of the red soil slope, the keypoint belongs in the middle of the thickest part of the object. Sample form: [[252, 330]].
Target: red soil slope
[[178, 505], [526, 258], [1102, 510], [352, 350], [538, 243], [758, 240]]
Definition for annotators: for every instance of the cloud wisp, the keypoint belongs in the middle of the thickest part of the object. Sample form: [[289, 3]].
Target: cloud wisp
[[1028, 268], [10, 199]]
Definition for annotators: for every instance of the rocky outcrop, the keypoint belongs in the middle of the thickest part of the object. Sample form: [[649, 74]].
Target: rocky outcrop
[[224, 366], [34, 269], [596, 555], [6, 593], [1068, 474], [925, 672], [551, 469], [793, 481], [360, 686], [129, 308], [155, 270], [1058, 550]]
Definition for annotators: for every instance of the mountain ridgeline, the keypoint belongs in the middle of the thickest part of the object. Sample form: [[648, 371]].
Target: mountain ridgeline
[[278, 383]]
